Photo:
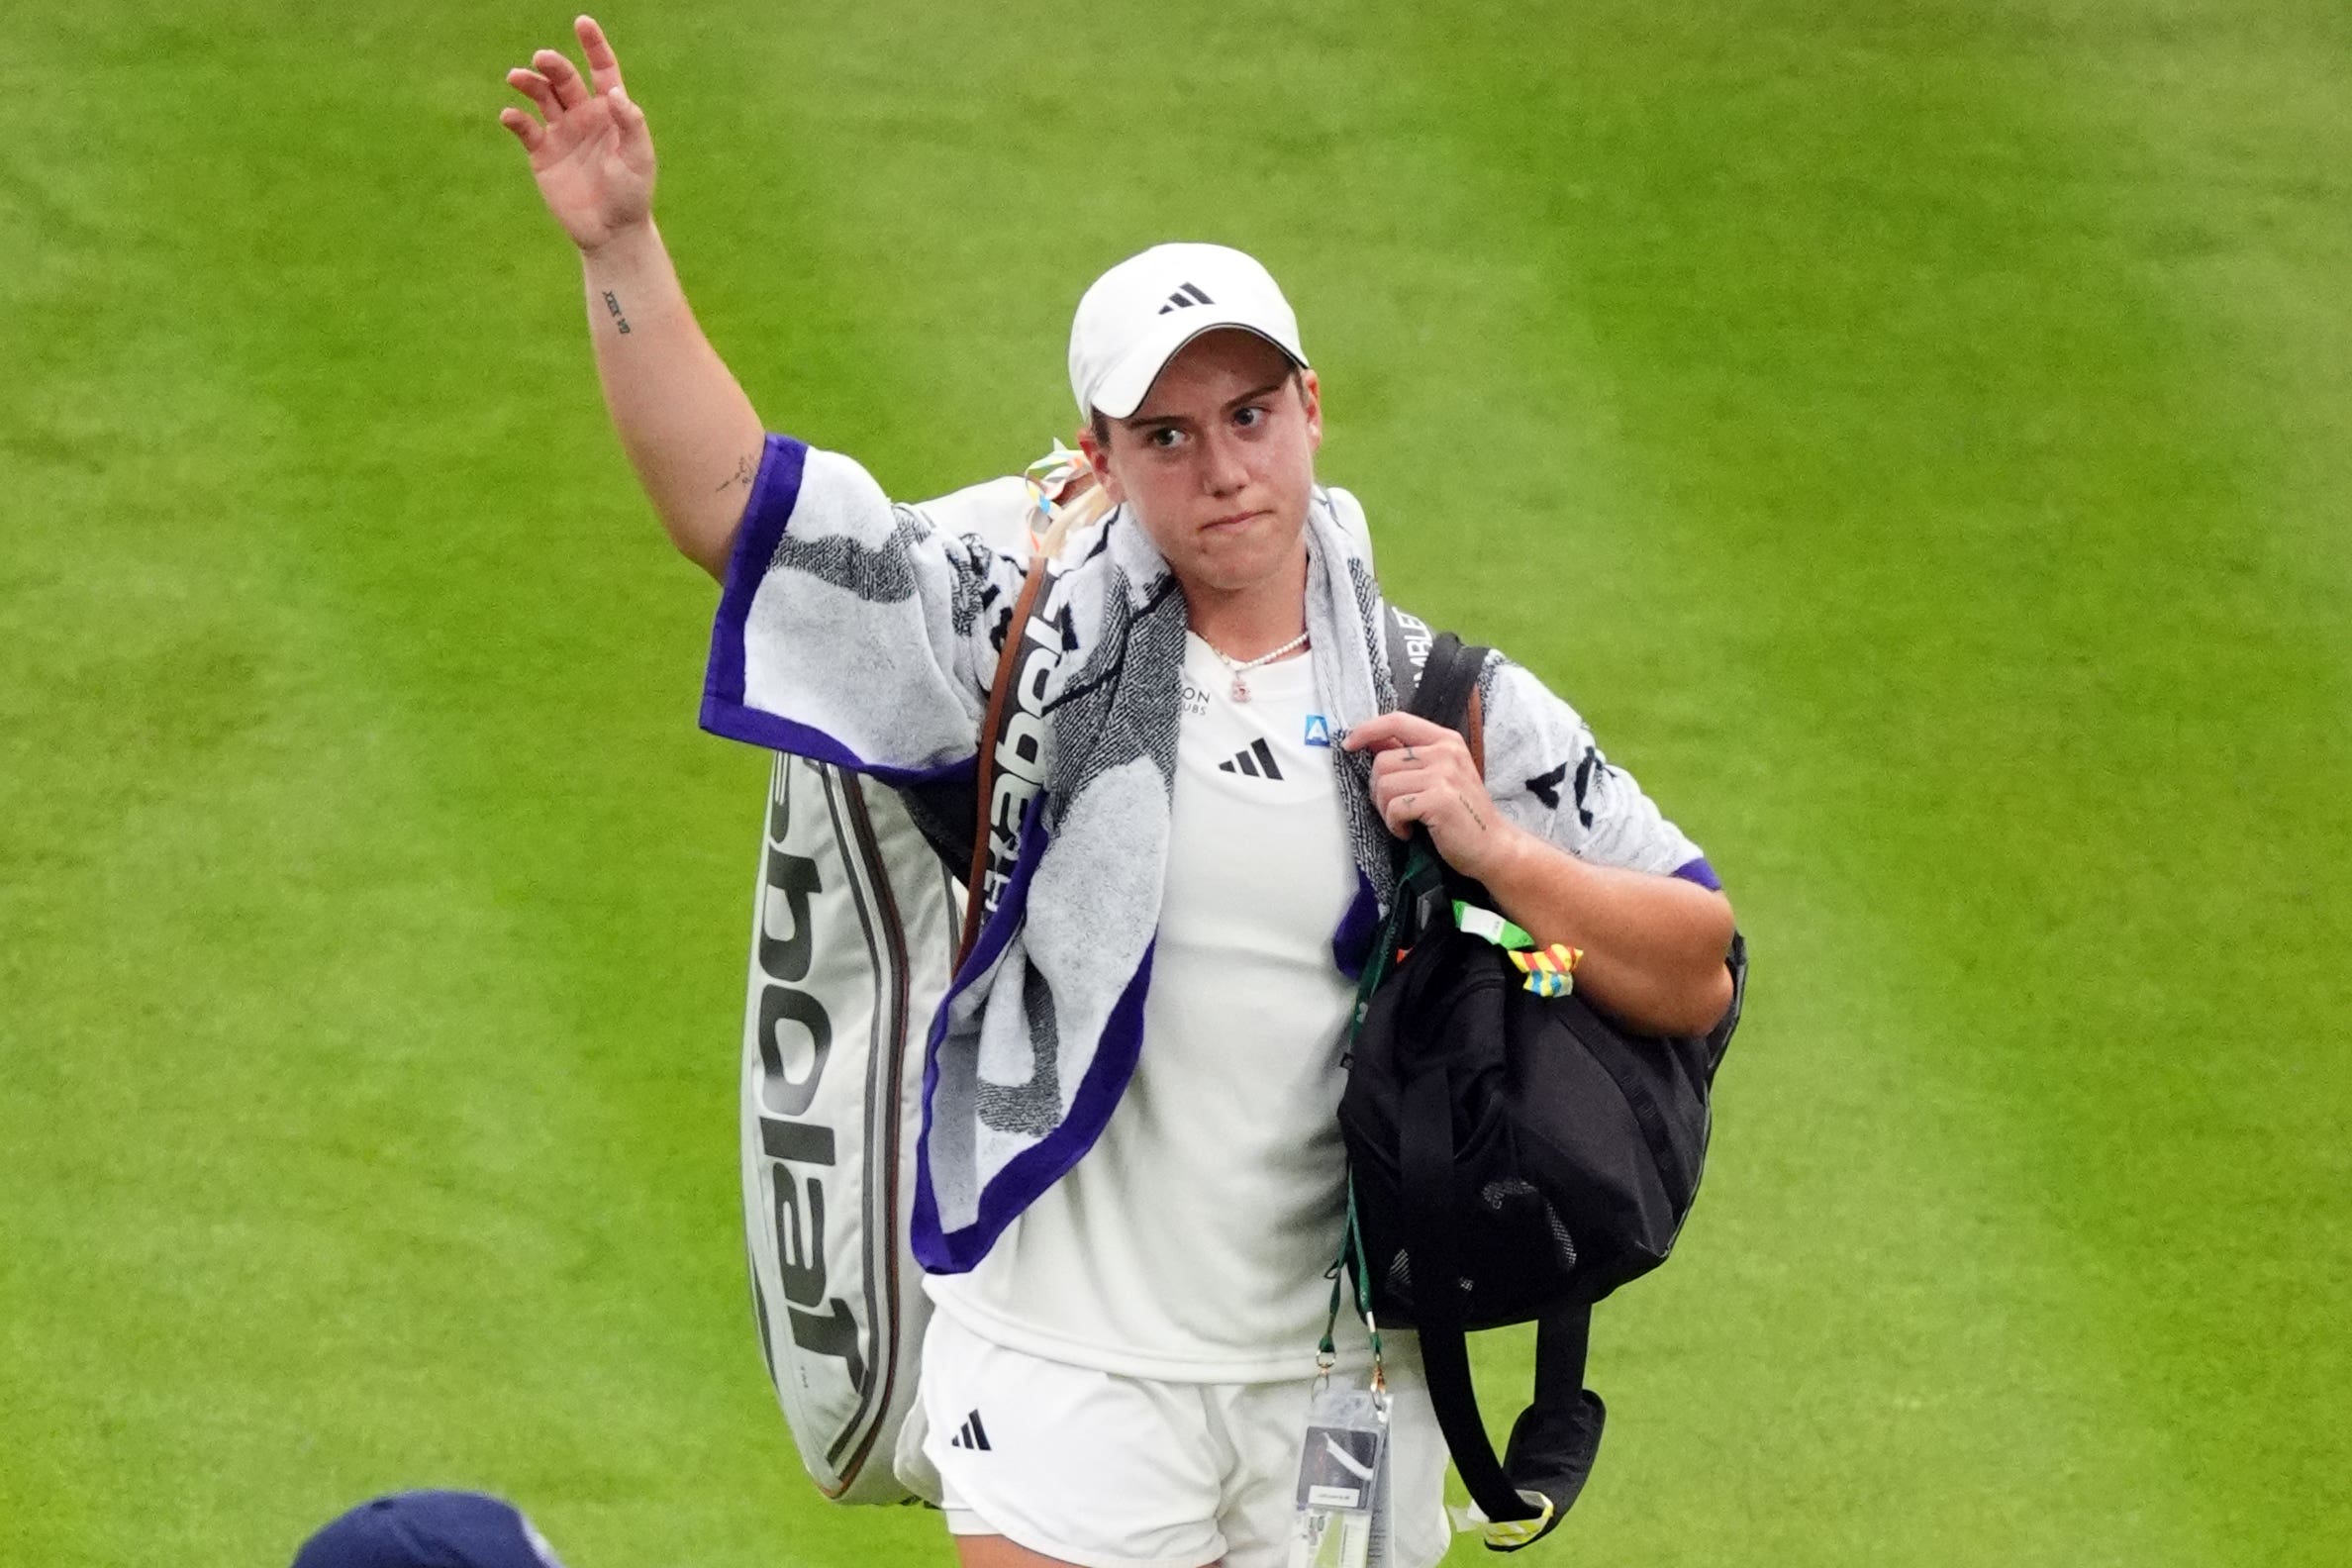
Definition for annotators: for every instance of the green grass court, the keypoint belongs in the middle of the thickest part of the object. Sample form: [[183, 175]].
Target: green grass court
[[1918, 435]]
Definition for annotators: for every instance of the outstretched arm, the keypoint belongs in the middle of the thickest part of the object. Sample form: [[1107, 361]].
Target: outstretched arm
[[689, 431]]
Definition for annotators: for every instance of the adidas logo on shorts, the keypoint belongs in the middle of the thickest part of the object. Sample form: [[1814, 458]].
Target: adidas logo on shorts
[[971, 1435], [1256, 762]]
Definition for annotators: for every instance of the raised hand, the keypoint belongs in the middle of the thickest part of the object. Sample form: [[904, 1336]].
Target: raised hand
[[593, 157]]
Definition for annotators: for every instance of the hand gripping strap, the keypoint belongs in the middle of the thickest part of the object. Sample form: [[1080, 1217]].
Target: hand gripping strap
[[1448, 691], [1445, 691]]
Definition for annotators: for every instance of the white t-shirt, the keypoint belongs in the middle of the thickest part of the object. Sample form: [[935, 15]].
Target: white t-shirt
[[1190, 1242]]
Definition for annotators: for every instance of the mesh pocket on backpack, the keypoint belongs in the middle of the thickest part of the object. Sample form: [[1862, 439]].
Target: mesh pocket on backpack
[[1509, 1190]]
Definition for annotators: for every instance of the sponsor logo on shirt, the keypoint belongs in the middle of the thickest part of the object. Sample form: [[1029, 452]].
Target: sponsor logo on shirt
[[1257, 760], [1318, 730]]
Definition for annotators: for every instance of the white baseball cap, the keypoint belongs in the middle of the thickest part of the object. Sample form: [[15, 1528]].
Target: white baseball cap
[[1134, 318]]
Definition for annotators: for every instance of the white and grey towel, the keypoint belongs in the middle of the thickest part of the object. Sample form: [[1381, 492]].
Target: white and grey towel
[[861, 633]]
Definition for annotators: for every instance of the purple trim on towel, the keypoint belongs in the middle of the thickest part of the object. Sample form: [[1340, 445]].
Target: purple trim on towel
[[1012, 905], [1700, 872], [1351, 943], [923, 1231], [736, 721], [775, 492], [1011, 908], [1027, 1174]]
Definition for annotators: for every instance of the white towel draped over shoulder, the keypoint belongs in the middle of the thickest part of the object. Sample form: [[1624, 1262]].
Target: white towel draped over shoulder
[[865, 635]]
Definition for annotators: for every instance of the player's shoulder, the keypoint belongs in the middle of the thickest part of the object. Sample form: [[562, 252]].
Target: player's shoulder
[[1347, 512], [1520, 704], [1410, 636], [998, 511]]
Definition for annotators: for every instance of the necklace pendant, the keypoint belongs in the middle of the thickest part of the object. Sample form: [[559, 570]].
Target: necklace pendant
[[1241, 687]]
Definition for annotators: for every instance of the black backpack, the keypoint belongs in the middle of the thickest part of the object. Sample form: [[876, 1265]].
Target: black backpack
[[1512, 1159]]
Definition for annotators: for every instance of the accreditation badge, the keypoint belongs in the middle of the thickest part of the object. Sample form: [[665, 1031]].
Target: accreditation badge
[[1342, 1501]]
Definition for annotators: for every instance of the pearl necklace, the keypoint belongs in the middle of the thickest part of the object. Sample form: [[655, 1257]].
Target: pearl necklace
[[1242, 668]]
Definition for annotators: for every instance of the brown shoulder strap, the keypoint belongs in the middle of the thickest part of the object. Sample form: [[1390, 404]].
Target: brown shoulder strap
[[1476, 728], [992, 728]]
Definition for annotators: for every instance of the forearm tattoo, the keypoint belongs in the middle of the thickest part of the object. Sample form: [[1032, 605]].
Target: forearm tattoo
[[746, 470], [612, 306]]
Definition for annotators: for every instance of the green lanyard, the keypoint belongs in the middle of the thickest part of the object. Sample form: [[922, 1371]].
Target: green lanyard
[[1351, 1247]]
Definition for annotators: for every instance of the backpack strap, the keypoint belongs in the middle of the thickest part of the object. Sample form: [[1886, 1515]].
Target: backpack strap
[[1411, 650], [1557, 1437], [1555, 1440], [1409, 639], [992, 735], [1446, 693], [1448, 681]]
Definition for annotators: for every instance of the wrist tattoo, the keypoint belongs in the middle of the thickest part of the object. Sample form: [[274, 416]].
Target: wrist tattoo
[[612, 305], [1472, 809]]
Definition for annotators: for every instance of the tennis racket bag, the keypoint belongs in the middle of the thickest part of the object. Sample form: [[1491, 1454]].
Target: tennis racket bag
[[852, 931]]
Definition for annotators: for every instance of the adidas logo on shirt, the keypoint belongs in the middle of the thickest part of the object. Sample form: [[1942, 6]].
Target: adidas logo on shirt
[[971, 1435], [1255, 762]]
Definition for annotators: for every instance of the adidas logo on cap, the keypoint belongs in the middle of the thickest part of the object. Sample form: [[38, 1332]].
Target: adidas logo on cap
[[1190, 294], [1137, 317]]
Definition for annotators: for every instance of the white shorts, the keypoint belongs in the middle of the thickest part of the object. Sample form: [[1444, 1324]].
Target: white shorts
[[1121, 1472]]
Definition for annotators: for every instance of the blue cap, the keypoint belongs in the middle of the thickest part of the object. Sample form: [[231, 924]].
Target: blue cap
[[429, 1530]]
